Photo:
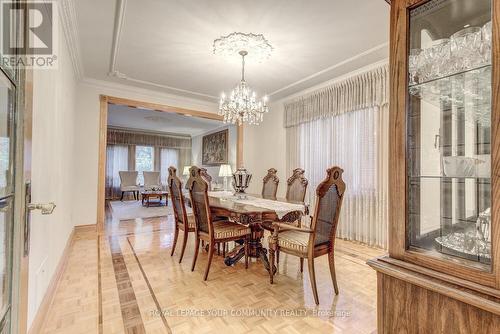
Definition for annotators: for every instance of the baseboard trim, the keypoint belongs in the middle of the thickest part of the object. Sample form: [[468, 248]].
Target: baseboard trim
[[48, 299], [85, 228]]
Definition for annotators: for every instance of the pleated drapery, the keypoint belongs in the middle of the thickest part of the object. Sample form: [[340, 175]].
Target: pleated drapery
[[352, 135], [129, 137], [369, 89]]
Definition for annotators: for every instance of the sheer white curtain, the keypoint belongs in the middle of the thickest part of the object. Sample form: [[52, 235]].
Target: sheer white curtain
[[357, 141], [116, 161], [168, 157]]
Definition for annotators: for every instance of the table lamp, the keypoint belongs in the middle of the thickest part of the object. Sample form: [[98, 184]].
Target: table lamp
[[185, 172], [225, 172]]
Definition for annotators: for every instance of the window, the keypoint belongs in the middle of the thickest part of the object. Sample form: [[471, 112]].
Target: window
[[144, 161], [168, 157], [357, 142], [348, 140]]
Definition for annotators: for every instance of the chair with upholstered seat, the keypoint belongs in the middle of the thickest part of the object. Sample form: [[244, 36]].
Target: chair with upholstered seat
[[319, 239], [295, 192], [206, 228], [206, 177], [151, 180], [270, 184], [296, 186], [128, 182], [183, 222]]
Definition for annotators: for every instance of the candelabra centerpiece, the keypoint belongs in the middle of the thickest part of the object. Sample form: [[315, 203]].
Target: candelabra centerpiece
[[241, 180]]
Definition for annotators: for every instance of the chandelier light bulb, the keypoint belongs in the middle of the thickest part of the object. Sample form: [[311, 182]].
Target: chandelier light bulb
[[243, 106]]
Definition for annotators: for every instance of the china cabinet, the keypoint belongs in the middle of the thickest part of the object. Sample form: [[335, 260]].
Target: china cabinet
[[442, 273]]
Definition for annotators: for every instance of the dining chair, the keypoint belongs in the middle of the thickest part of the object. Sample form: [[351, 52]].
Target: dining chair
[[295, 192], [297, 186], [206, 228], [151, 180], [183, 221], [319, 239], [270, 184], [206, 177], [128, 183]]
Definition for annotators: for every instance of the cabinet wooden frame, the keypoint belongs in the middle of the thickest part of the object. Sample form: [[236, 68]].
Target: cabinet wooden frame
[[399, 102]]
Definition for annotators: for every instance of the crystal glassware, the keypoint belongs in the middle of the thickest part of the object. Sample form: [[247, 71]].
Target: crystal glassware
[[486, 33], [413, 65], [466, 48], [434, 60]]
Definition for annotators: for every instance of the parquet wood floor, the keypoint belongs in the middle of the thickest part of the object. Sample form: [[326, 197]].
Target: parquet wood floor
[[125, 281]]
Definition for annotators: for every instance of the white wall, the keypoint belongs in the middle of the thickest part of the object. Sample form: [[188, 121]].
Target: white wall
[[196, 150], [87, 137], [264, 147], [52, 171]]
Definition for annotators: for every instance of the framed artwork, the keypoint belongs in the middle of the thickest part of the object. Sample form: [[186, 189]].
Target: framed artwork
[[214, 148]]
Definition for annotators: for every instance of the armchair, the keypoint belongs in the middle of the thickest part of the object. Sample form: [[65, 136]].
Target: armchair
[[319, 239], [128, 182], [151, 180]]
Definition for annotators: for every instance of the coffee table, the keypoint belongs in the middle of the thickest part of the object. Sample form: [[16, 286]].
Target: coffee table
[[147, 195]]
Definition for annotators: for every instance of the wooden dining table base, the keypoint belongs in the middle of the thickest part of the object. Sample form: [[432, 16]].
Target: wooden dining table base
[[252, 217], [256, 249]]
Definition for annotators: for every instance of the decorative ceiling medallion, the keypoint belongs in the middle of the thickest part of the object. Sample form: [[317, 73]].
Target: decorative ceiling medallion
[[256, 45], [242, 104]]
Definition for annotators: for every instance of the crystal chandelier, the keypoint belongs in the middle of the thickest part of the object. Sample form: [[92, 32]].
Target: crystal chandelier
[[242, 105]]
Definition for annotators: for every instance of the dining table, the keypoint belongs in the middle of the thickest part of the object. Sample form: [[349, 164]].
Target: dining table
[[252, 210]]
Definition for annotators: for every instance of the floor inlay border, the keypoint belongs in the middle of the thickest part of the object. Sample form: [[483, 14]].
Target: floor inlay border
[[157, 303], [131, 315], [99, 285]]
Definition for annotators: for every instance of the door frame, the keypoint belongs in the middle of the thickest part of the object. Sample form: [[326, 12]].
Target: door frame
[[105, 101]]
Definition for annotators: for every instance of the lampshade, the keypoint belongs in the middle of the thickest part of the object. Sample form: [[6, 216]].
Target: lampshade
[[186, 170], [225, 170]]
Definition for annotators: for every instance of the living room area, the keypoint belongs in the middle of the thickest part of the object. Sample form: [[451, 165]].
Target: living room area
[[142, 143]]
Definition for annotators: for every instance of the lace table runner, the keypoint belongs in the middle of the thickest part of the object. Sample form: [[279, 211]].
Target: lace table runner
[[281, 208]]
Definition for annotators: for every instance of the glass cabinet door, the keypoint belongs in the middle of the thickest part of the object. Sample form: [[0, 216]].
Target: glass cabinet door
[[449, 129]]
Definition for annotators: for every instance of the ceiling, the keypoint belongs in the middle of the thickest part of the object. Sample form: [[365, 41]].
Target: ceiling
[[166, 45], [159, 121]]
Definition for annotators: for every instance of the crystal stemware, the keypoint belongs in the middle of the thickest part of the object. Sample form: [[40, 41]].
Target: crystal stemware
[[486, 42], [465, 48], [413, 65]]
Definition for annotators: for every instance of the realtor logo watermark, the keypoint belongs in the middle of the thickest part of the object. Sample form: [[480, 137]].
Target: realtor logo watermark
[[37, 20]]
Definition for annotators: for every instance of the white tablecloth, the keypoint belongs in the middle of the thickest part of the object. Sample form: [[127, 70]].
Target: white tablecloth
[[281, 208]]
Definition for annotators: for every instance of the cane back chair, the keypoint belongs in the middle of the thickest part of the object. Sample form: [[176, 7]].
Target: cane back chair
[[296, 186], [295, 192], [270, 184], [206, 177], [319, 239], [206, 228], [183, 222]]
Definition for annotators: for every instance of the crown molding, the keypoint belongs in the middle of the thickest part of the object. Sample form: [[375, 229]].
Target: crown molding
[[123, 76], [117, 33], [67, 13], [113, 68], [116, 73], [144, 93], [328, 69]]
